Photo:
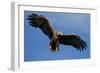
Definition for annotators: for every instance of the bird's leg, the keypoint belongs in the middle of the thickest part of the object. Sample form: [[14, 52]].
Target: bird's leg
[[57, 48]]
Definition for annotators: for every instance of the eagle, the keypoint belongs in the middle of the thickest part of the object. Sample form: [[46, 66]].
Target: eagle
[[56, 38]]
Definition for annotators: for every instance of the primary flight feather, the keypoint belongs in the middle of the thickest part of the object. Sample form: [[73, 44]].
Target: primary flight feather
[[42, 22]]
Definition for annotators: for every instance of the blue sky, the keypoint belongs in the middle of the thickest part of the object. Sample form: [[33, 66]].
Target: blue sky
[[36, 43]]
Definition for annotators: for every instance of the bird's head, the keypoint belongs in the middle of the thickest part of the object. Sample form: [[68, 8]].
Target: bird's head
[[58, 34]]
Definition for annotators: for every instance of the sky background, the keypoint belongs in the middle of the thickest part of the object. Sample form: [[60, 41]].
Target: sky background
[[36, 43]]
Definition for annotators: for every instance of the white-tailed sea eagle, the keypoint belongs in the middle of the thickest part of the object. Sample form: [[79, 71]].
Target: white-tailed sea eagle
[[41, 22]]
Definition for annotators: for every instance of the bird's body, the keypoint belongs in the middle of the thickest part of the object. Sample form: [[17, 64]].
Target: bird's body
[[40, 21]]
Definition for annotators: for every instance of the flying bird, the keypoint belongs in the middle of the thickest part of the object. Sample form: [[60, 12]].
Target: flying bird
[[42, 22]]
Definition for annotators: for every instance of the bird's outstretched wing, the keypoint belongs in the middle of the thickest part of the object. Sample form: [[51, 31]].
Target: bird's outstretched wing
[[73, 40], [40, 21]]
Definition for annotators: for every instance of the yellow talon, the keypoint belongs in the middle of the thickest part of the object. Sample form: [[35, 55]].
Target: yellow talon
[[50, 46], [56, 48]]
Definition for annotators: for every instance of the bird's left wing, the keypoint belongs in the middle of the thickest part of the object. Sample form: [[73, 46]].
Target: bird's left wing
[[40, 21], [73, 40]]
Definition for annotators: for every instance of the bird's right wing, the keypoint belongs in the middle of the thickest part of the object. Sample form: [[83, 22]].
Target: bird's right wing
[[73, 40], [40, 21]]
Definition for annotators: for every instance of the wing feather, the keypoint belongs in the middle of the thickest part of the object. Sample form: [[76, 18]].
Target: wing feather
[[40, 21], [73, 40]]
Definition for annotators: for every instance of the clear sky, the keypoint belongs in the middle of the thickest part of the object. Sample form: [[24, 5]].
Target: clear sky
[[36, 43]]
